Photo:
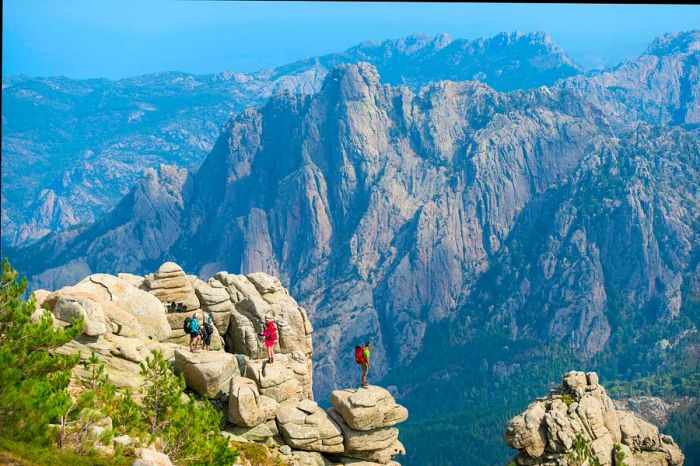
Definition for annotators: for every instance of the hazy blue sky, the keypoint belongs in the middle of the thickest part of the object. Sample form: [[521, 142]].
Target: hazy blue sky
[[94, 38]]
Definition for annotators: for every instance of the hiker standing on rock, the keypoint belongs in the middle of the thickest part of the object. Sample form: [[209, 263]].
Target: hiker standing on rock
[[191, 326], [270, 334], [207, 330], [362, 358]]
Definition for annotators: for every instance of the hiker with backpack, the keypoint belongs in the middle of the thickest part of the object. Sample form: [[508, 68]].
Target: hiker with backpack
[[362, 358], [207, 330], [191, 326], [269, 333]]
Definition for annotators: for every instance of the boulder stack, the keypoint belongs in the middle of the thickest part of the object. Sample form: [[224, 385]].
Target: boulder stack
[[170, 285], [128, 316], [544, 433], [239, 305], [305, 426], [366, 417]]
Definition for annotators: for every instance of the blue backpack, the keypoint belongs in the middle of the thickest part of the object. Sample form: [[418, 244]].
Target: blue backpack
[[191, 325]]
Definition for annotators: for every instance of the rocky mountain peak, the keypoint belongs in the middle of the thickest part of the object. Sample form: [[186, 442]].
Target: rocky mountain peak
[[675, 43], [355, 81]]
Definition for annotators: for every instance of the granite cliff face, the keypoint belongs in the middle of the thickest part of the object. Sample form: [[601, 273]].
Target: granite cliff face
[[617, 246], [661, 87], [73, 148]]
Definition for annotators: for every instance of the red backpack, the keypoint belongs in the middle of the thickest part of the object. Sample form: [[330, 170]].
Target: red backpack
[[270, 333], [360, 355]]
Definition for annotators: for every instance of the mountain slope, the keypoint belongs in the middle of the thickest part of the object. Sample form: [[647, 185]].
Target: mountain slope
[[661, 87], [73, 148]]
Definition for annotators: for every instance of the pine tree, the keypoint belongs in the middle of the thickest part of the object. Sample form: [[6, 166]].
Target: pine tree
[[33, 380], [188, 432]]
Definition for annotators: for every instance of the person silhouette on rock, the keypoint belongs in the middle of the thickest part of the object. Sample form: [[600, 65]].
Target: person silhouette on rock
[[269, 333], [362, 358], [206, 330]]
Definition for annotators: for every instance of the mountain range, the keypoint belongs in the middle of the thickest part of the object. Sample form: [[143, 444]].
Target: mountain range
[[99, 135], [480, 234]]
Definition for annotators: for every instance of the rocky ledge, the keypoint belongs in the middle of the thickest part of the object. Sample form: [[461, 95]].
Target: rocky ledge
[[544, 433], [128, 315]]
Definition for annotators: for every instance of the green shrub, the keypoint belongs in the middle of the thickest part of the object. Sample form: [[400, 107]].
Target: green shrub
[[581, 454], [567, 399]]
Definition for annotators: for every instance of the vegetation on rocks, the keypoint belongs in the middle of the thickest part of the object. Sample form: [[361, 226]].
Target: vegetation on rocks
[[44, 410], [187, 431], [33, 381]]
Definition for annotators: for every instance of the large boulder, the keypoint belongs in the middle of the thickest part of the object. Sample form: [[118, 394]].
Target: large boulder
[[101, 316], [70, 307], [306, 426], [215, 300], [131, 279], [120, 355], [170, 285], [208, 373], [382, 456], [544, 434], [146, 308], [368, 408], [246, 406], [307, 458], [276, 380], [364, 440], [248, 315], [358, 462]]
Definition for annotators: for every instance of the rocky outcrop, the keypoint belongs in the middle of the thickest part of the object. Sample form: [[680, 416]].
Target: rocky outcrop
[[208, 373], [306, 426], [544, 433], [170, 285], [264, 402], [366, 417]]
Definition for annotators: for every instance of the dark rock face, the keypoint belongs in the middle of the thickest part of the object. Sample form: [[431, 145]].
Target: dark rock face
[[73, 148], [386, 210]]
